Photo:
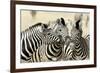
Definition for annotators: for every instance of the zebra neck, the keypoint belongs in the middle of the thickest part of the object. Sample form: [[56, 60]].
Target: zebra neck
[[80, 52], [57, 45], [53, 52]]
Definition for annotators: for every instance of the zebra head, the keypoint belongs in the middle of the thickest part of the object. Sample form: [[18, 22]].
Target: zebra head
[[75, 34], [60, 28], [49, 35], [76, 31]]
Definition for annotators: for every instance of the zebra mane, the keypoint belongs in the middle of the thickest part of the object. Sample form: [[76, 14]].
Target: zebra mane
[[44, 26], [36, 25], [33, 26]]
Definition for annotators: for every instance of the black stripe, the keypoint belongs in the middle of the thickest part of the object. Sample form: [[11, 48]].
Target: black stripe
[[24, 58], [77, 44], [84, 57], [23, 49], [83, 54], [39, 57], [68, 51], [48, 51], [48, 57], [66, 47], [79, 52], [56, 45], [28, 46], [73, 55], [40, 39], [36, 41], [35, 56], [59, 53], [32, 44], [52, 48]]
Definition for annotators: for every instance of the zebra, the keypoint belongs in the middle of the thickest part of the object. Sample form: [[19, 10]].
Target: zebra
[[67, 48], [60, 27], [49, 52], [79, 48], [33, 37]]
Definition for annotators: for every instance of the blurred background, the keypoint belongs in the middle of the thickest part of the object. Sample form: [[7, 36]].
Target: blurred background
[[31, 17]]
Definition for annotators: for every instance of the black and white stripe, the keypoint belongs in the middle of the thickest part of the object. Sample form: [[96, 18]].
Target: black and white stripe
[[77, 48], [33, 38], [48, 52], [54, 51], [80, 51], [68, 49]]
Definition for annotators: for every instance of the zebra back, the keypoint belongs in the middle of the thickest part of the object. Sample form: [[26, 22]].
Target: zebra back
[[35, 36]]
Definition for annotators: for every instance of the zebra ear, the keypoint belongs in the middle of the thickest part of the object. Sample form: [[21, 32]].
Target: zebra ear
[[44, 27], [77, 24], [63, 21], [78, 21], [58, 21]]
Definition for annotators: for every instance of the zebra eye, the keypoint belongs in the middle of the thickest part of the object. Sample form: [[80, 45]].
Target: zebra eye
[[48, 33], [59, 29]]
